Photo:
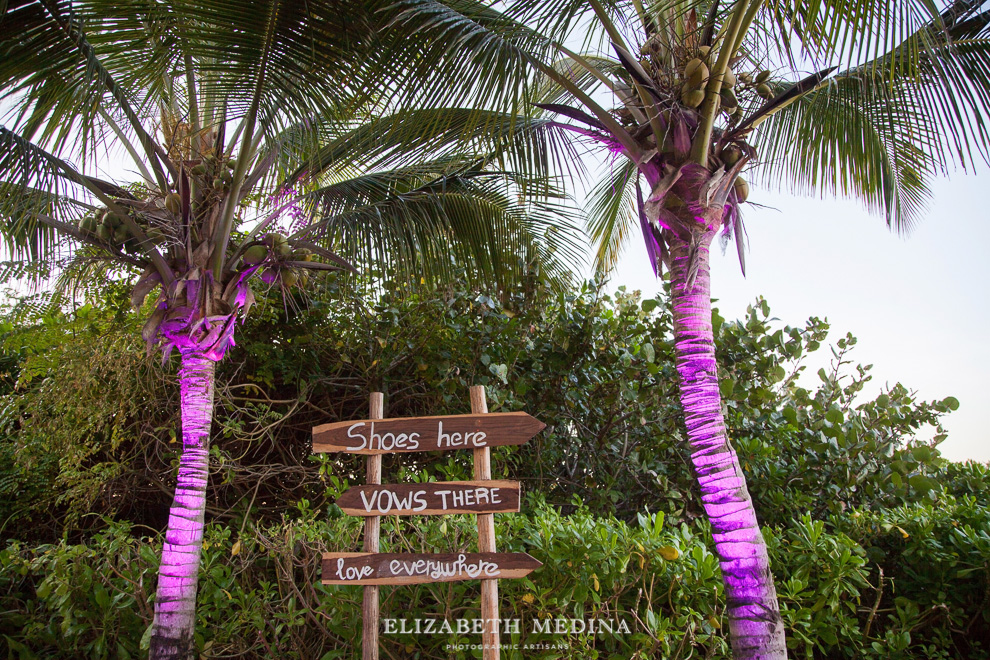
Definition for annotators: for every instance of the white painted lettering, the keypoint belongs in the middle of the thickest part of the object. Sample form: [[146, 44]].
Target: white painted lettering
[[369, 503], [351, 434], [352, 572]]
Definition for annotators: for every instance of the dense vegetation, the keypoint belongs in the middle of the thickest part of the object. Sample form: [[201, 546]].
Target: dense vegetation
[[880, 547]]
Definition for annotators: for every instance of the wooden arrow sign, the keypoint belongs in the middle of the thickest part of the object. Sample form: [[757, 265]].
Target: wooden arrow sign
[[405, 434], [403, 568], [431, 499]]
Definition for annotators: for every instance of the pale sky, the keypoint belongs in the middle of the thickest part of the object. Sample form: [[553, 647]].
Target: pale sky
[[919, 305]]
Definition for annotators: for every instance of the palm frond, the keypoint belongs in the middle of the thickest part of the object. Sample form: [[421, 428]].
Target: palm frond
[[883, 129], [290, 59], [612, 213], [843, 139], [34, 182], [427, 220], [531, 147], [463, 50]]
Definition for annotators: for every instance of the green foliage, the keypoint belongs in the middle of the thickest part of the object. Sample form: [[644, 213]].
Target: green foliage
[[260, 594], [879, 544]]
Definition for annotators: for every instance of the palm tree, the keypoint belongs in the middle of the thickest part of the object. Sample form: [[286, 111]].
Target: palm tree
[[703, 90], [217, 146]]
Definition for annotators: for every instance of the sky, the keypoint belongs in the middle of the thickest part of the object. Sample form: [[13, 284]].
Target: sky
[[919, 304]]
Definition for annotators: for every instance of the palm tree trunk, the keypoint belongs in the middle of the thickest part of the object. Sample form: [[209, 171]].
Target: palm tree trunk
[[755, 627], [175, 604]]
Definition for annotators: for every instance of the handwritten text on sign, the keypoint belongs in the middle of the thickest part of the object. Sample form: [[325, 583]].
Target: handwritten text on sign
[[431, 499], [405, 434], [401, 568]]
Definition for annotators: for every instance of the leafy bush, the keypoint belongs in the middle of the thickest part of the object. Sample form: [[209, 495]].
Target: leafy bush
[[260, 594], [879, 545]]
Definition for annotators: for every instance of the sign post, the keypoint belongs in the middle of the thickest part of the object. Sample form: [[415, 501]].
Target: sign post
[[482, 497], [486, 538], [372, 531]]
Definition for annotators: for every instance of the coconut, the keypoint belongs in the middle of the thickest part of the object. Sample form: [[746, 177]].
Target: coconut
[[762, 76], [289, 278], [745, 78], [284, 250], [173, 202], [729, 97], [104, 232], [764, 91], [120, 234], [731, 155], [729, 79], [704, 50], [693, 98], [87, 224], [741, 188], [198, 170], [218, 183], [695, 72], [255, 254]]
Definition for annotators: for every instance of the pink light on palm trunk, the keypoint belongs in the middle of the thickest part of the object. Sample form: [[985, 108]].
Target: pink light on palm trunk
[[175, 604], [751, 599]]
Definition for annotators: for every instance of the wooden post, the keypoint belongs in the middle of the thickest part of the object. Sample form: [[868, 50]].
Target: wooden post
[[372, 528], [486, 538]]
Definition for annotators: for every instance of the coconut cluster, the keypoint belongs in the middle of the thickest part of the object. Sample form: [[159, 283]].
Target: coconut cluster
[[275, 254], [757, 81], [108, 227], [216, 170], [695, 70]]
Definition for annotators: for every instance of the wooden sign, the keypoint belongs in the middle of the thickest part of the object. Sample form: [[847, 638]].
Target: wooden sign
[[374, 437], [431, 499], [367, 568], [406, 434]]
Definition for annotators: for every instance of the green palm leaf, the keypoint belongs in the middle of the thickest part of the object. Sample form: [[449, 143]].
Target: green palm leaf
[[428, 220], [612, 213], [882, 130], [528, 146]]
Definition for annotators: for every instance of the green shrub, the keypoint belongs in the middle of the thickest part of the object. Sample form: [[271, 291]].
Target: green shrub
[[843, 486], [260, 594]]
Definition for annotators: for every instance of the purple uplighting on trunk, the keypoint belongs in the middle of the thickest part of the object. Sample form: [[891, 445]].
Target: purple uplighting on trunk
[[756, 628], [175, 604]]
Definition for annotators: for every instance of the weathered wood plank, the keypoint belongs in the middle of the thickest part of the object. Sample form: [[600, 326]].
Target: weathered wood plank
[[431, 499], [366, 568], [407, 434]]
